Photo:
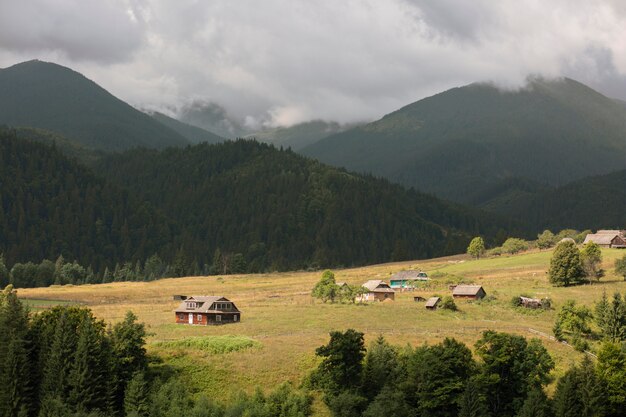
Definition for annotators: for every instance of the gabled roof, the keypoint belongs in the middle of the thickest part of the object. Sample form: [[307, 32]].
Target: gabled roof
[[377, 285], [409, 276], [610, 232], [467, 290], [432, 301], [204, 304], [601, 238]]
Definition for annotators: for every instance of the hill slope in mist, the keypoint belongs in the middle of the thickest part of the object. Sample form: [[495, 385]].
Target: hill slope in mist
[[466, 141], [52, 97]]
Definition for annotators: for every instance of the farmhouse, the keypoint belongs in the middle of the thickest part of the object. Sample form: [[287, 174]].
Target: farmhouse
[[432, 303], [377, 290], [404, 280], [206, 310], [607, 238], [472, 292]]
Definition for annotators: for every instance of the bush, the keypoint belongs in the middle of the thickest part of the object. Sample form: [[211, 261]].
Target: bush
[[516, 301], [448, 303], [514, 245], [497, 251]]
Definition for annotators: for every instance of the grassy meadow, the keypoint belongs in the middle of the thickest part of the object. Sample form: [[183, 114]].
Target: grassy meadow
[[281, 324]]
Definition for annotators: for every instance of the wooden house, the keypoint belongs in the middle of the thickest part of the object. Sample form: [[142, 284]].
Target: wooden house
[[205, 310], [377, 290], [607, 239], [406, 280], [470, 292], [432, 303]]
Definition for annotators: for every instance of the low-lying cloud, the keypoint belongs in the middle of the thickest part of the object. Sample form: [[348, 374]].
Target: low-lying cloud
[[280, 62]]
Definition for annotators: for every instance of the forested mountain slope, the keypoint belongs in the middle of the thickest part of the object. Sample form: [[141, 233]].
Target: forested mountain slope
[[464, 142], [597, 202], [284, 211], [49, 96], [51, 206]]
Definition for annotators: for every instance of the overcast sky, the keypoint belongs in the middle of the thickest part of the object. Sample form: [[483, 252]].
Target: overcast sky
[[281, 62]]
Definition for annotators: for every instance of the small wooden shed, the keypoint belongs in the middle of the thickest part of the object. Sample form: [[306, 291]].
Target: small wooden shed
[[470, 292], [432, 303], [530, 302]]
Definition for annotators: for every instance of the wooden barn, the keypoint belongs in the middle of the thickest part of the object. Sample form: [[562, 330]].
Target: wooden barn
[[432, 303], [607, 239], [377, 291], [206, 310], [470, 292], [407, 280]]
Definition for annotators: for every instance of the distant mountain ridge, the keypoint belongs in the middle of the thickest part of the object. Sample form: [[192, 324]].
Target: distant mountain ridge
[[192, 133], [299, 135], [460, 143], [52, 97]]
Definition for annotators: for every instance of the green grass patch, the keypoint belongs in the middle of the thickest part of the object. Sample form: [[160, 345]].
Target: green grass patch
[[211, 344], [42, 304]]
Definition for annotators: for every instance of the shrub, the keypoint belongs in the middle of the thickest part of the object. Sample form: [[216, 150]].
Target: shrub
[[514, 245], [448, 303]]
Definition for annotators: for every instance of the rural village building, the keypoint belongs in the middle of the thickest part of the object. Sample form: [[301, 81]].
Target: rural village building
[[607, 238], [406, 280], [471, 292], [207, 310], [377, 291], [432, 303]]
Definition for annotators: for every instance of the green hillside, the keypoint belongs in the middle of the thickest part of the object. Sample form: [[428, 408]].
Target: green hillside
[[597, 202], [192, 133], [300, 135], [462, 143], [49, 96], [51, 206], [283, 211]]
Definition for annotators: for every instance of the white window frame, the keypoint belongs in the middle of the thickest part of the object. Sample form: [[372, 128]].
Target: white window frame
[[199, 317], [218, 318]]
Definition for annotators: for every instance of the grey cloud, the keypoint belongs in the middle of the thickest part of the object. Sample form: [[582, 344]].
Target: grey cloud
[[280, 62], [96, 30]]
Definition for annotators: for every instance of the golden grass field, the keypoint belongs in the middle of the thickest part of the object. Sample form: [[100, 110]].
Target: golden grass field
[[278, 311]]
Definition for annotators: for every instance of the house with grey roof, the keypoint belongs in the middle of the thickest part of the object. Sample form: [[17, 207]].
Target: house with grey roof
[[206, 310], [471, 292], [607, 238], [407, 280], [377, 290]]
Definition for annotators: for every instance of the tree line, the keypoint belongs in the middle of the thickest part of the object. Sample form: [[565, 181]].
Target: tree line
[[505, 377], [235, 207]]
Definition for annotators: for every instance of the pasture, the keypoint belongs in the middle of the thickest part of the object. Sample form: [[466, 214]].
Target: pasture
[[282, 325]]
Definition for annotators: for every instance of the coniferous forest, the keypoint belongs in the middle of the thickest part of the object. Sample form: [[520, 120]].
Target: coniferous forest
[[239, 206]]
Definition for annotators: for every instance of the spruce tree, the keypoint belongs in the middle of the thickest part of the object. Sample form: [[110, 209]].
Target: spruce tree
[[535, 405], [86, 377], [472, 402], [136, 397]]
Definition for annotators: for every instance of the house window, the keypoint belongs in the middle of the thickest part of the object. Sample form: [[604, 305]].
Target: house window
[[218, 318], [235, 318], [199, 317]]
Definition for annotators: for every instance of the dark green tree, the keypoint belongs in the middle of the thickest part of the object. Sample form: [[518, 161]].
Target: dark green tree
[[565, 265], [591, 258], [379, 368], [511, 368], [136, 397], [536, 405], [472, 403], [342, 363]]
